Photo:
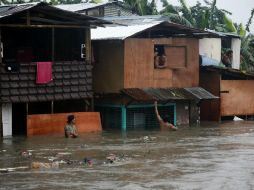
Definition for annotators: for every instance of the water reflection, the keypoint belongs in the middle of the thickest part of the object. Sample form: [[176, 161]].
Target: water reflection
[[212, 156]]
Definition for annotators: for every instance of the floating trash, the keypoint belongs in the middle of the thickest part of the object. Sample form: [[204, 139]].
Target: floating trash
[[88, 161], [6, 170], [44, 165], [63, 153], [26, 153]]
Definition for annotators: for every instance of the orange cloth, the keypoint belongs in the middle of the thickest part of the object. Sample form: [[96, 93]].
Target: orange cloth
[[44, 72]]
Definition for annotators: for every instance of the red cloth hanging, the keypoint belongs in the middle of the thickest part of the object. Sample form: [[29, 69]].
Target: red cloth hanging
[[44, 72]]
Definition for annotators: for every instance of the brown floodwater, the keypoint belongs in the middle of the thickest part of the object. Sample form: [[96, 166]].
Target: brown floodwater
[[211, 156]]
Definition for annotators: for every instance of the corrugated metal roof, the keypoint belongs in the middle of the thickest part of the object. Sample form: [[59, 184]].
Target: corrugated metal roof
[[80, 6], [224, 34], [76, 18], [200, 93], [165, 28], [167, 94], [8, 10], [228, 71], [119, 32]]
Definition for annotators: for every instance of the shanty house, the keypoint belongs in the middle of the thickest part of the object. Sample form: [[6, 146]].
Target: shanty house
[[45, 67], [235, 90], [127, 78]]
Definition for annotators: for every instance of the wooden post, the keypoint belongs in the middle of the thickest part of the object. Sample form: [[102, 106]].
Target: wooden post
[[52, 106], [26, 109], [88, 45], [92, 104], [1, 59], [28, 19], [53, 45]]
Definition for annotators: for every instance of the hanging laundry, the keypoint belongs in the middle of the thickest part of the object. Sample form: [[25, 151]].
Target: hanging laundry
[[44, 72]]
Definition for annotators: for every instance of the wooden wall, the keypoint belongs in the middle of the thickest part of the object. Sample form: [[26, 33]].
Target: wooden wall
[[210, 109], [238, 98], [50, 124], [139, 69], [188, 76], [108, 66]]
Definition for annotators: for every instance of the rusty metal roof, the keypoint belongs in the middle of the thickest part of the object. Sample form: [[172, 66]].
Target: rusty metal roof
[[167, 94], [227, 71], [200, 93]]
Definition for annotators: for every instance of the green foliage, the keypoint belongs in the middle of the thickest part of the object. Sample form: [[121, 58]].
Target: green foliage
[[241, 30], [141, 7], [229, 25]]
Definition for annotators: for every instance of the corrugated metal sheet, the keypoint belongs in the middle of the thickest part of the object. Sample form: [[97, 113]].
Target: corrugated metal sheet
[[116, 10], [167, 29], [200, 93], [79, 6], [119, 32], [167, 94], [227, 71], [8, 10], [138, 94], [77, 19], [224, 34]]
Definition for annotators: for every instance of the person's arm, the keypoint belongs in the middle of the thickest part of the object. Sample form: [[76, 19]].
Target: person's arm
[[157, 112]]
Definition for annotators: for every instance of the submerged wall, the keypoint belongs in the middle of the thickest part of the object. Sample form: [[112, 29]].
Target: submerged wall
[[210, 109], [238, 97], [50, 124]]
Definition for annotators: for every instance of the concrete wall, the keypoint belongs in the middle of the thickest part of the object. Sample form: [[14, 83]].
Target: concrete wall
[[238, 97], [236, 47], [51, 124], [210, 47]]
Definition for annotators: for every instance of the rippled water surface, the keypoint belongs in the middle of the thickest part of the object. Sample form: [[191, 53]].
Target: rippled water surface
[[212, 156]]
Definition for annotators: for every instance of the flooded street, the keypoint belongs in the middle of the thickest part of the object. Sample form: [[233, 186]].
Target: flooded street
[[212, 156]]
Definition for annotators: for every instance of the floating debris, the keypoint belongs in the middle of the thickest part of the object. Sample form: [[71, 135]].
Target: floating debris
[[6, 170], [88, 162], [111, 158], [26, 153], [44, 165], [148, 138], [63, 153]]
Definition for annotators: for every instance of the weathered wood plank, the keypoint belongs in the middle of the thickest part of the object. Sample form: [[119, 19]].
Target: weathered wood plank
[[50, 124]]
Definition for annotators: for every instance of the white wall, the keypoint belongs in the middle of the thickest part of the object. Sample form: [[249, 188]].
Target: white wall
[[7, 119], [236, 47], [210, 47]]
